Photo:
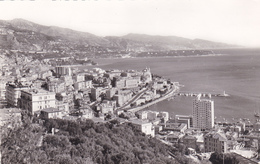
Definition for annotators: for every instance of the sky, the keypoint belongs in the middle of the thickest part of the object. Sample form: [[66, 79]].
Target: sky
[[229, 21]]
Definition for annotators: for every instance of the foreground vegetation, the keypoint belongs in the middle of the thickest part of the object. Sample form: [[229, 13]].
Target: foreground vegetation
[[80, 142]]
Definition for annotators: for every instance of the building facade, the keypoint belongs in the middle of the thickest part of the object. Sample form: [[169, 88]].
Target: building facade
[[56, 86], [122, 97], [52, 113], [184, 119], [215, 142], [63, 70], [83, 85], [203, 113], [13, 94], [35, 100], [126, 82]]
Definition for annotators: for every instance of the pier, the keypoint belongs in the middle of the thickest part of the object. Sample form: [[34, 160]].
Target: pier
[[203, 94]]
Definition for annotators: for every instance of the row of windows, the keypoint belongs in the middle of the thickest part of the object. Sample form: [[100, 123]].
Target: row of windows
[[45, 97], [43, 107], [46, 102]]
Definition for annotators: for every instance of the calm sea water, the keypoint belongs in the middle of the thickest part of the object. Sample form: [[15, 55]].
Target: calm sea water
[[235, 71]]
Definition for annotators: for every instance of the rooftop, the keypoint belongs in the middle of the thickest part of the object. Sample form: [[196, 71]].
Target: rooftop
[[51, 110], [19, 85], [139, 122], [217, 135], [63, 66], [38, 92]]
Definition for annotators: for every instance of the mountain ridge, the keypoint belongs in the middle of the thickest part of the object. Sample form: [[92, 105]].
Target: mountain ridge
[[20, 34]]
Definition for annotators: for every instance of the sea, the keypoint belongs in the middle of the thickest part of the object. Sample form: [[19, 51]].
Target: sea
[[235, 71]]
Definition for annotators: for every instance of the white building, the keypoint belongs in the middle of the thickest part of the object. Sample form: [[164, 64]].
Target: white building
[[35, 100], [203, 113], [2, 90], [143, 115], [87, 113], [144, 126], [187, 119], [79, 77], [83, 85]]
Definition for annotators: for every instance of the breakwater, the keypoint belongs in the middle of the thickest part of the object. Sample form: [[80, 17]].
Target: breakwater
[[204, 94]]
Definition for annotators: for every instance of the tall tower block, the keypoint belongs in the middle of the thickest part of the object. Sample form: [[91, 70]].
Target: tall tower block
[[203, 113]]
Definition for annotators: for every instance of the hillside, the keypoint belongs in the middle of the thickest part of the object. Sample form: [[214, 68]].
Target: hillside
[[23, 35]]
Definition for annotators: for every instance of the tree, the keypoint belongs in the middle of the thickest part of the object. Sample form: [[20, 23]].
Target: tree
[[100, 143], [217, 158], [246, 132]]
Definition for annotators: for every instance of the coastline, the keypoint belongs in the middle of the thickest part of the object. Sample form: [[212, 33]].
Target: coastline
[[181, 56]]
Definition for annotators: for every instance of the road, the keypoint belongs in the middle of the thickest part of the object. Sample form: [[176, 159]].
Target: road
[[164, 97], [133, 99]]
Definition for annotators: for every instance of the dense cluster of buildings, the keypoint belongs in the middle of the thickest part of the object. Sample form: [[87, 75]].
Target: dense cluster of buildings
[[67, 92]]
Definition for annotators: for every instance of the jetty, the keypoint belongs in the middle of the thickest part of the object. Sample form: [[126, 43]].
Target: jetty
[[203, 94]]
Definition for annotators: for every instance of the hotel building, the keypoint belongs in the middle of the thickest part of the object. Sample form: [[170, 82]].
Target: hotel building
[[35, 100]]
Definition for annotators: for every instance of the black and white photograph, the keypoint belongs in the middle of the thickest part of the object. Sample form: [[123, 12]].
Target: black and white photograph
[[129, 81]]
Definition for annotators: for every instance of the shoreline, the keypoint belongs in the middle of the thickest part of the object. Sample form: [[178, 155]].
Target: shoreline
[[181, 56]]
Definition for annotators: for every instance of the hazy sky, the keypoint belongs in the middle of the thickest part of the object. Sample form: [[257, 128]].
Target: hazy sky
[[229, 21]]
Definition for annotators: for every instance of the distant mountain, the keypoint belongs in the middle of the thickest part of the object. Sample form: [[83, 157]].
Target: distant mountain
[[156, 43], [23, 35], [63, 33]]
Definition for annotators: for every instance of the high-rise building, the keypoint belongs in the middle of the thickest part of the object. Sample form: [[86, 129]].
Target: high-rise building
[[203, 113]]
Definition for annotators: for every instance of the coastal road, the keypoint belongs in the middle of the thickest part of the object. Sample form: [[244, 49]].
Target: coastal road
[[166, 96], [133, 99]]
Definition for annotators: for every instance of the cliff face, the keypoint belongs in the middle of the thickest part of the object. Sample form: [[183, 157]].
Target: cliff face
[[19, 34]]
